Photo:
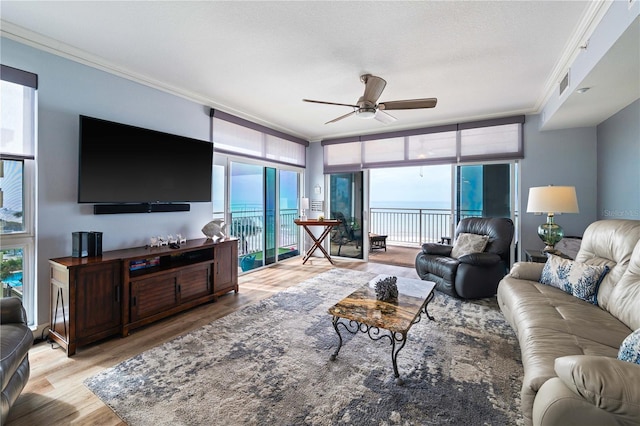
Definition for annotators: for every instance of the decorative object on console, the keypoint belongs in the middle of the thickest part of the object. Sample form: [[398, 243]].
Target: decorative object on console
[[304, 205], [181, 239], [387, 289], [162, 241], [214, 230], [576, 278], [552, 199]]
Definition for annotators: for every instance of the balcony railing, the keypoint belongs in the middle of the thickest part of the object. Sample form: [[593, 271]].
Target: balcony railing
[[402, 226], [414, 226], [248, 227]]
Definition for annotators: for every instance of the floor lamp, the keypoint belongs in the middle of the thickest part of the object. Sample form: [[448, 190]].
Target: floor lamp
[[551, 200]]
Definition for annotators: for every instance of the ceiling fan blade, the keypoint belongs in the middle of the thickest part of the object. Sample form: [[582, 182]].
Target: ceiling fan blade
[[329, 103], [409, 104], [373, 87], [384, 117], [340, 118]]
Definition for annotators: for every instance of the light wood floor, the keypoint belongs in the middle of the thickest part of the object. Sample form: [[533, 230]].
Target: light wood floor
[[55, 394]]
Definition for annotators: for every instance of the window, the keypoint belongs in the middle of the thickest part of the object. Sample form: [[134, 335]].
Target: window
[[17, 186]]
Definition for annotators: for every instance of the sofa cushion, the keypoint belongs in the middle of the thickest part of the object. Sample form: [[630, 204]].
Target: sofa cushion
[[469, 243], [624, 297], [605, 382], [576, 278], [630, 348], [611, 242]]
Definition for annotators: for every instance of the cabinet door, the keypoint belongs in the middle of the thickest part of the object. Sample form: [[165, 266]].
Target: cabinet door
[[194, 282], [153, 295], [98, 304], [225, 274]]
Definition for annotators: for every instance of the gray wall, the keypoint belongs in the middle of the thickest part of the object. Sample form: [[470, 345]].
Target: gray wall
[[67, 89], [619, 165], [562, 158]]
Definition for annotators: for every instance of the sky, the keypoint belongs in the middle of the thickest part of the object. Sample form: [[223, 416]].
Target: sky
[[414, 184], [403, 187]]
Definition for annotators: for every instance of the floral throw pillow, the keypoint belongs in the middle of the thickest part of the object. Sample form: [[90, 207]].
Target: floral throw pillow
[[630, 348], [579, 279], [469, 243]]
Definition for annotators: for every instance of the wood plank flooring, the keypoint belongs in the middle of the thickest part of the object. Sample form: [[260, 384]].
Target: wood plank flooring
[[55, 394]]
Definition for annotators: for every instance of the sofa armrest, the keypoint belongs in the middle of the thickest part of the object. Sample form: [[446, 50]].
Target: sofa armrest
[[607, 383], [480, 259], [526, 271], [12, 311], [437, 249]]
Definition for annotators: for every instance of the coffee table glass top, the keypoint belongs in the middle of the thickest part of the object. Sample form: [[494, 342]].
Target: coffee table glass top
[[397, 316]]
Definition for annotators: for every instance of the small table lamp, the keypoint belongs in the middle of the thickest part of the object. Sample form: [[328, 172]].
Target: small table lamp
[[551, 200], [304, 205]]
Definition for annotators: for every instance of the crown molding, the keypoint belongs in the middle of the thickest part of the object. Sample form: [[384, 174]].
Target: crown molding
[[54, 47]]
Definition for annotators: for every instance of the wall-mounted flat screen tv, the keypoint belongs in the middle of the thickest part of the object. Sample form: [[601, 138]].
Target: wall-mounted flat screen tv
[[126, 164]]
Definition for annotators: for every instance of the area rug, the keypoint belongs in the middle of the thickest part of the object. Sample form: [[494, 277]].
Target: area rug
[[268, 364]]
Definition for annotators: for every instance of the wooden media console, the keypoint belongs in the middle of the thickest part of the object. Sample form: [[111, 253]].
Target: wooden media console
[[97, 297]]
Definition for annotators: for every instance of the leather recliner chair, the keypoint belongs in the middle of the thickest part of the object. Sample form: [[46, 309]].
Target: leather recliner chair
[[472, 276], [16, 339]]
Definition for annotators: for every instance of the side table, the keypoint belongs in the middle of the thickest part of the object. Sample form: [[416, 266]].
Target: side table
[[538, 256], [328, 224]]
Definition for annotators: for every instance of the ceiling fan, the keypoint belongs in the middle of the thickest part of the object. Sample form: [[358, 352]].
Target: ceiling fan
[[367, 108]]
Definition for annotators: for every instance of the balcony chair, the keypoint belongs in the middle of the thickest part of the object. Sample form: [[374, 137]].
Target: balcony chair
[[345, 233], [464, 271]]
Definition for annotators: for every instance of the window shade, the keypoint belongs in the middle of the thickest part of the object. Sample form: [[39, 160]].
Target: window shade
[[491, 142], [495, 139], [343, 157], [234, 135], [18, 94]]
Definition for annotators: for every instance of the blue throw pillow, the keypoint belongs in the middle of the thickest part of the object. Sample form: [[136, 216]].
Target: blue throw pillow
[[630, 348], [578, 279]]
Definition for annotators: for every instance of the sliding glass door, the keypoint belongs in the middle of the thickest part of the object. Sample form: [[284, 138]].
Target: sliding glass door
[[259, 204], [484, 190], [346, 205]]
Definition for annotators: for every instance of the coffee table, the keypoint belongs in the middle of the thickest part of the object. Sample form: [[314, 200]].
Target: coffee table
[[362, 312]]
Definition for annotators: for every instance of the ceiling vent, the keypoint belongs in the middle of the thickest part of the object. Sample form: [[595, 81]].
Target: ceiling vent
[[564, 83]]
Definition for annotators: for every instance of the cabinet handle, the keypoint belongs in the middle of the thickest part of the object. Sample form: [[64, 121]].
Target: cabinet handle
[[179, 289], [134, 300]]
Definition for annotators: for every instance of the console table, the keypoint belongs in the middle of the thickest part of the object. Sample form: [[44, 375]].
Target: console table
[[328, 224], [97, 297]]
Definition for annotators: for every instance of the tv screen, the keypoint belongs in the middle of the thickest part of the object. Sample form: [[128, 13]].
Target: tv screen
[[126, 164]]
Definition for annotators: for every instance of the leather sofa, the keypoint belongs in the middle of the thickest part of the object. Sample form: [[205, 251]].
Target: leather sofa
[[16, 339], [570, 347], [471, 276]]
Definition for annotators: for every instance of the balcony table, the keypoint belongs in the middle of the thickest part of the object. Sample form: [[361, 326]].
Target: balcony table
[[328, 224]]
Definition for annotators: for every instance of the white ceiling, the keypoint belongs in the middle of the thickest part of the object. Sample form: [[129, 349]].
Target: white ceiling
[[259, 59]]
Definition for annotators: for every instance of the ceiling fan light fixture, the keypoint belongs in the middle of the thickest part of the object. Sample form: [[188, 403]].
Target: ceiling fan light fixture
[[366, 113]]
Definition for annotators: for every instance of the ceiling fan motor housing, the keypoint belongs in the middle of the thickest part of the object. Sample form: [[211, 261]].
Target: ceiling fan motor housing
[[366, 109]]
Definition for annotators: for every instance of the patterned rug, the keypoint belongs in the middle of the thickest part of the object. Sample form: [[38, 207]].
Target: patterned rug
[[268, 364]]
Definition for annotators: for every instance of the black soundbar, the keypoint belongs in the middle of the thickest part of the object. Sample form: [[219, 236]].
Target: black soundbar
[[140, 208]]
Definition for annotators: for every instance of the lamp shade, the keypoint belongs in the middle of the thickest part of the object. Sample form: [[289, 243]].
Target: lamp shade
[[304, 203], [552, 199]]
